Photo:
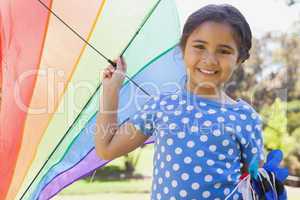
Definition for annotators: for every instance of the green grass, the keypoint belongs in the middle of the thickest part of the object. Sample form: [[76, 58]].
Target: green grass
[[108, 196], [131, 186]]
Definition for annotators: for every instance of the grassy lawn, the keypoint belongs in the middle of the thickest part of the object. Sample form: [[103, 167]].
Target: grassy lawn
[[135, 190], [110, 196], [132, 186]]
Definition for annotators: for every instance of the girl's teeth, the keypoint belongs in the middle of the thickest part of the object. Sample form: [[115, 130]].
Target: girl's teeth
[[207, 71]]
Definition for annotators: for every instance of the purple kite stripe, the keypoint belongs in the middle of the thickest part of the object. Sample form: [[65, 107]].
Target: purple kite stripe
[[46, 185], [88, 164]]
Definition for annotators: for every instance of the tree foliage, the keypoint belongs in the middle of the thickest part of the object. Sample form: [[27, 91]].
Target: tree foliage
[[276, 133]]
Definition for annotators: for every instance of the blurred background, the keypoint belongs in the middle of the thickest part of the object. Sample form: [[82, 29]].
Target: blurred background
[[269, 81]]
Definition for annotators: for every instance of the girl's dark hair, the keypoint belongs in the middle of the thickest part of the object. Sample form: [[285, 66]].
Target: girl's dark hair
[[223, 13]]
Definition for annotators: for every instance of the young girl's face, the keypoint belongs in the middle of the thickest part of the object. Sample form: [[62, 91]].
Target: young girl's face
[[210, 55]]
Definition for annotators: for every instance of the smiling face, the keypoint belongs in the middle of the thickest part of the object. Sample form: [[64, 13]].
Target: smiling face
[[210, 55]]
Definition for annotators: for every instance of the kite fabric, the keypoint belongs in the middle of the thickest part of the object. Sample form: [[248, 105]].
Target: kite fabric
[[52, 82]]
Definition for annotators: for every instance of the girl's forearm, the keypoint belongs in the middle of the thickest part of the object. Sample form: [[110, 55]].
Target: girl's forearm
[[106, 119]]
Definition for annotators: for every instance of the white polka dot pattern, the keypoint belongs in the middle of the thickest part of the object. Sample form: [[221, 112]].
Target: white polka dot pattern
[[196, 156]]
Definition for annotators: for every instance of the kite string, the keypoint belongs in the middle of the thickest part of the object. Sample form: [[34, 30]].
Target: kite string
[[236, 187], [76, 33], [267, 177], [246, 179]]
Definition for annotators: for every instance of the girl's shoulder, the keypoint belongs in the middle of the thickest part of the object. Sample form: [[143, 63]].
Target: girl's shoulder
[[249, 110]]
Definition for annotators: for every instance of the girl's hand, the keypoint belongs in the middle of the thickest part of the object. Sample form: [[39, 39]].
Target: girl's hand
[[113, 78]]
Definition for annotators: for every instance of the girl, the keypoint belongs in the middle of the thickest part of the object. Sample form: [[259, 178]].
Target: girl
[[202, 137]]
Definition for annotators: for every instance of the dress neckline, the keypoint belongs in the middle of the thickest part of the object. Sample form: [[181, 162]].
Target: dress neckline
[[197, 98]]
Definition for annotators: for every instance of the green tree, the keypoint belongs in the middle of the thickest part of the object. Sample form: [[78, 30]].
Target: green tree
[[293, 115], [272, 71], [276, 134]]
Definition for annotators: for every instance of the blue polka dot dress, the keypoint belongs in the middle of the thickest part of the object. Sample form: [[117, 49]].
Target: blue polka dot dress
[[200, 144]]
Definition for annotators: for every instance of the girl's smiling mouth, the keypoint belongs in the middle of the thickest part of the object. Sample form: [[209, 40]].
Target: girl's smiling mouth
[[207, 71]]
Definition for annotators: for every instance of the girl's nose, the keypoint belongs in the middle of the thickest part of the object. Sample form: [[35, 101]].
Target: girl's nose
[[210, 59]]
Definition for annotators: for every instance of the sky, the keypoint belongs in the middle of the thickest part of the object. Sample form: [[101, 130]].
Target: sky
[[262, 15]]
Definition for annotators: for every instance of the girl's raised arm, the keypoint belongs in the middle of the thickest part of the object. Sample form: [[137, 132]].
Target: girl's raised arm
[[112, 141]]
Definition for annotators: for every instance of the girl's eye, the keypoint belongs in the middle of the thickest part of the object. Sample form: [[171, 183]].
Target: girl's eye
[[199, 46], [224, 51]]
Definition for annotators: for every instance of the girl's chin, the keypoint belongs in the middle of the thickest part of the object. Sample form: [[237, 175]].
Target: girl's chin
[[205, 82], [206, 86]]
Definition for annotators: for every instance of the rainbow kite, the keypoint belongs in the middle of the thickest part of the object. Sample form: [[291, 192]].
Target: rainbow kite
[[52, 55]]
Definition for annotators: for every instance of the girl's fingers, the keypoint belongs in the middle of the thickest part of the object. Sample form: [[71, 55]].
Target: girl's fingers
[[121, 64], [111, 68], [106, 73], [123, 61]]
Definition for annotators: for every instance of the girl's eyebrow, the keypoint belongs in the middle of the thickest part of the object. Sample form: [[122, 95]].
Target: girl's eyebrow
[[226, 46], [200, 41], [221, 45]]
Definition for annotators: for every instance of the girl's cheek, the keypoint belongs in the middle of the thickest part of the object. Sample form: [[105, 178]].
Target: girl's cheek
[[225, 70], [192, 55], [192, 60], [229, 72]]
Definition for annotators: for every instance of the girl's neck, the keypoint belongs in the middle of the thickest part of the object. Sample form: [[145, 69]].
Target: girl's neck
[[212, 93], [207, 91]]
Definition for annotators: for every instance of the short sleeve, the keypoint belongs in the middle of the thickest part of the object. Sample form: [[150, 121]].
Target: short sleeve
[[252, 141], [144, 119]]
